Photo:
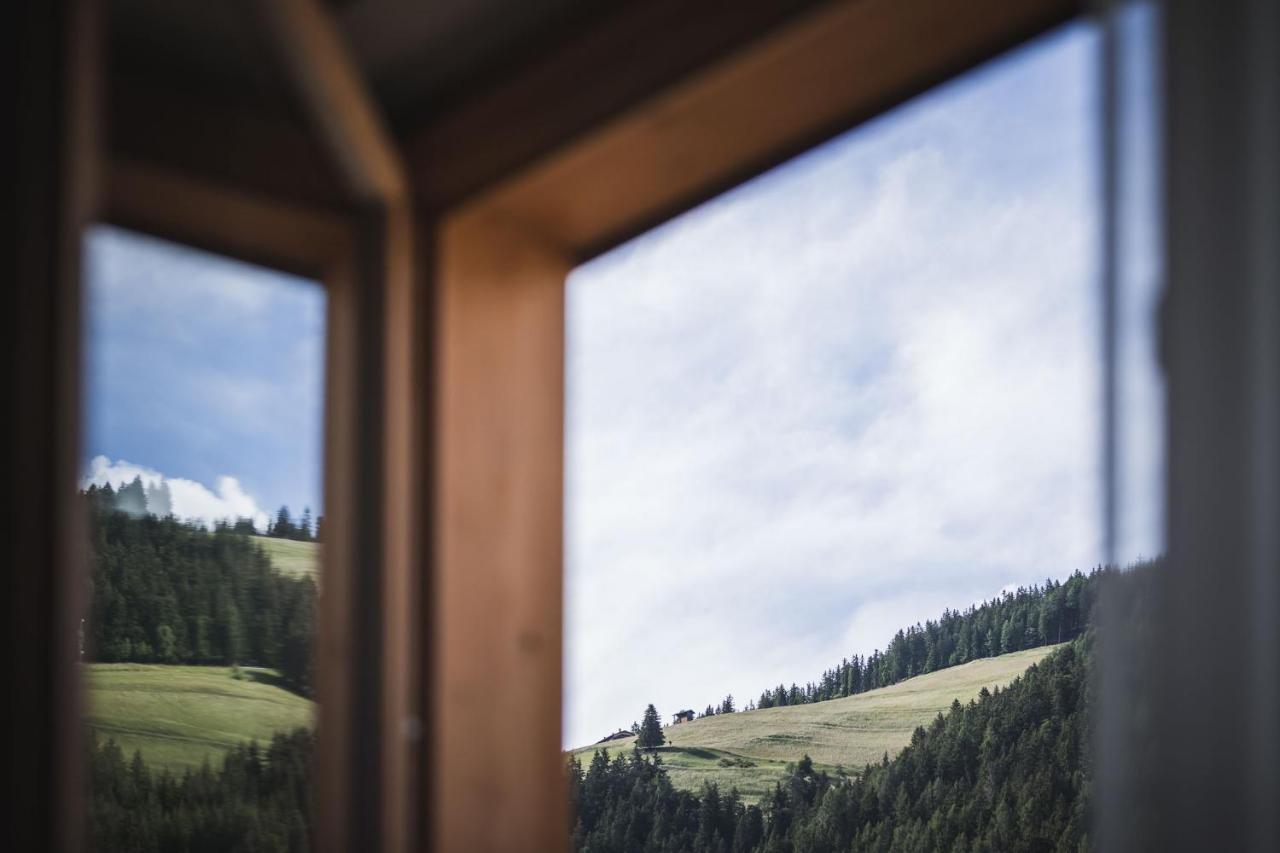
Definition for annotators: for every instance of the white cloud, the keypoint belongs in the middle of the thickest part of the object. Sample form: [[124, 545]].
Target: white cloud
[[191, 501], [103, 471], [829, 405]]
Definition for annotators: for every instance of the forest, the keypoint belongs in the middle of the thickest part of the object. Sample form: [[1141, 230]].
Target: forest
[[173, 592], [1008, 771], [257, 800], [1023, 619], [169, 591]]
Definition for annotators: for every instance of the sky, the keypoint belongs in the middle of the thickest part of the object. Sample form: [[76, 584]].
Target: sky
[[853, 392], [204, 371]]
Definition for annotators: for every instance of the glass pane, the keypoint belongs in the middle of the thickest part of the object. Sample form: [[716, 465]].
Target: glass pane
[[1131, 646], [835, 524], [1140, 405], [202, 480]]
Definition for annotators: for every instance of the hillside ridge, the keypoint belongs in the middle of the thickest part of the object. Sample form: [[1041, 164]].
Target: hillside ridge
[[749, 750]]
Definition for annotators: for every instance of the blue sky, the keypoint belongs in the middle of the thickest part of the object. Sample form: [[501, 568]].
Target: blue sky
[[828, 404], [205, 371]]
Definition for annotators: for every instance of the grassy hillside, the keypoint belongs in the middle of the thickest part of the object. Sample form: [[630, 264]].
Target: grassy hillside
[[178, 715], [850, 732], [292, 558]]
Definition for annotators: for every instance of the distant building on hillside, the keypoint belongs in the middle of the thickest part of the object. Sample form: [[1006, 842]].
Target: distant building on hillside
[[683, 717], [618, 735]]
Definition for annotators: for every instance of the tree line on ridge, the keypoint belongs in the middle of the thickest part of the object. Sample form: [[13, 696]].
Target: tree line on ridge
[[138, 499], [1010, 770], [1030, 617], [169, 591], [1007, 771]]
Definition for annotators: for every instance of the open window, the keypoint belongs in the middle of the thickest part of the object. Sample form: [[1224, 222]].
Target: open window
[[836, 479], [443, 205]]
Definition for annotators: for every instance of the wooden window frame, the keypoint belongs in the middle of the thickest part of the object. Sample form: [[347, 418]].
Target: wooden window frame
[[496, 768], [344, 253], [445, 394], [445, 387], [363, 251]]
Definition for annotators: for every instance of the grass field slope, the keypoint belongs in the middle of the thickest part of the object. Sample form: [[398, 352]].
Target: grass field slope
[[179, 715], [291, 557], [750, 749]]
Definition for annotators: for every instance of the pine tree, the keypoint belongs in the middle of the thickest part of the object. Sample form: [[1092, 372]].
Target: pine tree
[[159, 500], [651, 736], [132, 498], [283, 527]]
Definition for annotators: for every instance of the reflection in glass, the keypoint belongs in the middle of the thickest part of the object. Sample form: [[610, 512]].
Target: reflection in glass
[[203, 492]]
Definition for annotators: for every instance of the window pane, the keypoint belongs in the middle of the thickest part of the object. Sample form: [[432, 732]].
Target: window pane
[[202, 481], [1140, 407], [835, 489]]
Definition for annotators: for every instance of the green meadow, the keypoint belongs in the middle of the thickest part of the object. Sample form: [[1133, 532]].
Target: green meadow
[[291, 557], [848, 733], [178, 716]]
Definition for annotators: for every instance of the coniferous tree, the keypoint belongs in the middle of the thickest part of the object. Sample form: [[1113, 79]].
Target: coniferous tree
[[651, 736], [102, 499], [256, 799], [159, 499], [297, 653], [132, 498], [167, 591], [283, 527]]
